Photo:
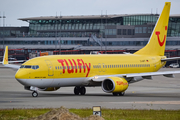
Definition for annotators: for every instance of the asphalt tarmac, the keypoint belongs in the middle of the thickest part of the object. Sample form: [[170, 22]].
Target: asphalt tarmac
[[159, 93]]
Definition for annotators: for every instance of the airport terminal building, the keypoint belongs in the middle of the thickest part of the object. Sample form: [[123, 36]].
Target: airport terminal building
[[83, 34]]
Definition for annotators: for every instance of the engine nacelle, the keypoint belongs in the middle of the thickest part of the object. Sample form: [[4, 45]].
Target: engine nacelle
[[114, 84], [49, 89]]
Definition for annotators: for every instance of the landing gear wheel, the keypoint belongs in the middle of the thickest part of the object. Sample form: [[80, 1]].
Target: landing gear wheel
[[115, 94], [34, 94], [83, 90], [79, 90], [76, 90], [121, 93]]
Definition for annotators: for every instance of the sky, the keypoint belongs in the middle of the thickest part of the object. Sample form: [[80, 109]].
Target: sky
[[14, 9]]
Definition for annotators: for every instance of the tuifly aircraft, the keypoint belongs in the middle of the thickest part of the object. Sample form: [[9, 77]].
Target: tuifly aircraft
[[112, 72]]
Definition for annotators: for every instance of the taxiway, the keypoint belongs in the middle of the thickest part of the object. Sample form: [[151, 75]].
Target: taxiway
[[159, 93]]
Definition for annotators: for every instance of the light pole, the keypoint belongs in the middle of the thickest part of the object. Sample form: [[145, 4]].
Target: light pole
[[3, 17], [3, 28], [106, 34], [60, 35], [56, 32], [101, 29]]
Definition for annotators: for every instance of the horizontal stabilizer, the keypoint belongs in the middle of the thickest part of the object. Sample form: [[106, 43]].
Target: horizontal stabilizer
[[170, 59], [18, 61], [12, 66]]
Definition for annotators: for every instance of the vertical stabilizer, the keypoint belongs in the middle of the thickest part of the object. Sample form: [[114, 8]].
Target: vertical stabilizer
[[5, 58], [157, 41]]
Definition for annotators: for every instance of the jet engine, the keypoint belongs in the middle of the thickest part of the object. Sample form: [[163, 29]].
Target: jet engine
[[114, 85]]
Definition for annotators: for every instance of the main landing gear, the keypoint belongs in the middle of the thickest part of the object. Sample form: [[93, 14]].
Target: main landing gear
[[79, 90], [120, 94]]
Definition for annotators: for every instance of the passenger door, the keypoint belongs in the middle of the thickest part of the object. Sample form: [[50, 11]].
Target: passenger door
[[50, 68]]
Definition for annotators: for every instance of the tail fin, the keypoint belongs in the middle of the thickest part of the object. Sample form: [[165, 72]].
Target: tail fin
[[157, 41], [5, 58]]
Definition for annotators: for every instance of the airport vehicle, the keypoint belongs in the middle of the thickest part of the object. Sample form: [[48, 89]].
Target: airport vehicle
[[174, 65], [112, 72]]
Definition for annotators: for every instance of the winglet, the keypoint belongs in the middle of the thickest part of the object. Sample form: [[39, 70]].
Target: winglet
[[5, 58]]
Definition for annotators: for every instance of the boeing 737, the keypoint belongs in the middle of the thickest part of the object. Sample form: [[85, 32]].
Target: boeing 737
[[113, 72]]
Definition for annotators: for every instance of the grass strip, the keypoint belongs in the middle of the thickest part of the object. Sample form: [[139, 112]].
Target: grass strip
[[107, 114]]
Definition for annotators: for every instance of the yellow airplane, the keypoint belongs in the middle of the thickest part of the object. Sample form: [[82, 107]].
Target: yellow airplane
[[113, 72]]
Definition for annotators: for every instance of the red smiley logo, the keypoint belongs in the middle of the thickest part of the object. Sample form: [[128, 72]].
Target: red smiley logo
[[158, 33]]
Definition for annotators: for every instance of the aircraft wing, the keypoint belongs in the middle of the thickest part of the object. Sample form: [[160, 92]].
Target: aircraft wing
[[147, 75], [170, 59], [164, 73]]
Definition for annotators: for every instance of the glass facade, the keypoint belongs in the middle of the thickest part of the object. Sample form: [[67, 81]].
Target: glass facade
[[45, 42], [174, 27], [85, 43], [139, 19], [72, 27], [75, 24], [89, 25], [101, 26], [118, 26]]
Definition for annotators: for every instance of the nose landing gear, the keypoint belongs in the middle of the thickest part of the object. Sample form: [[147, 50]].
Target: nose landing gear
[[34, 89], [34, 93]]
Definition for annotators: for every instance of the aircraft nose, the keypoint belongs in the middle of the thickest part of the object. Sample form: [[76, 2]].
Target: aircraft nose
[[21, 76]]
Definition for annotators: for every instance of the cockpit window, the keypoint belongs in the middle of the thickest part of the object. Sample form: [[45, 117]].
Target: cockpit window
[[27, 66], [30, 66], [22, 66], [35, 67]]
